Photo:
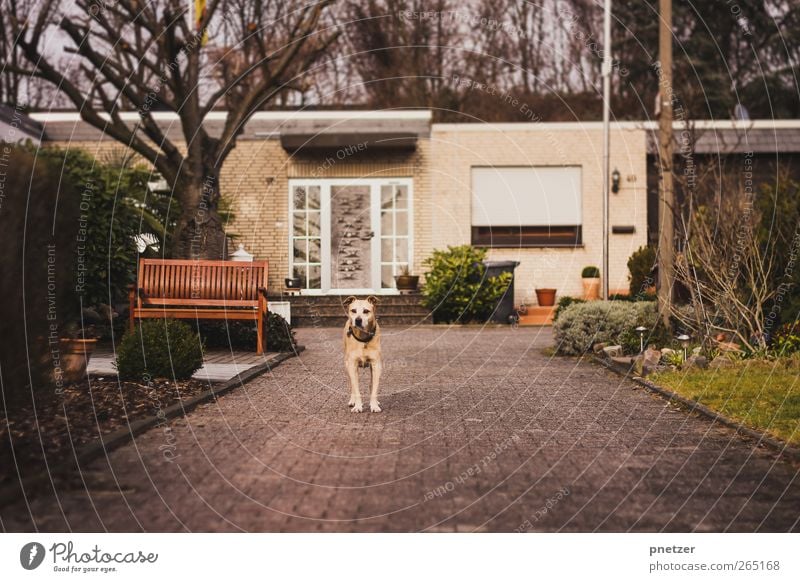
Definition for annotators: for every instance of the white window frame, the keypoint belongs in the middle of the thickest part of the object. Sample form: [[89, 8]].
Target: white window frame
[[325, 185]]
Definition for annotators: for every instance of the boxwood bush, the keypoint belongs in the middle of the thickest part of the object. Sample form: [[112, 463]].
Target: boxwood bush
[[580, 325], [456, 287], [280, 335], [159, 348], [242, 335], [590, 273], [640, 266]]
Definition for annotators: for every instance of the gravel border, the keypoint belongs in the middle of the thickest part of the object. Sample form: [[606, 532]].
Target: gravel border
[[109, 442], [777, 446]]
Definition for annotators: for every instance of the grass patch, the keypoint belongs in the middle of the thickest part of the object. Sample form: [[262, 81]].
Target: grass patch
[[763, 395]]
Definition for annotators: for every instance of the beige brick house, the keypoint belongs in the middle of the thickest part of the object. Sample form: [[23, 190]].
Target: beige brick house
[[346, 199]]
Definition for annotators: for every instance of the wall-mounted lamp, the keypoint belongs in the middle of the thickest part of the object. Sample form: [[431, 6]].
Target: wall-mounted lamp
[[615, 177]]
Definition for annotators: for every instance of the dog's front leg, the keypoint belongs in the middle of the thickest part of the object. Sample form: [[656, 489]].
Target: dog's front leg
[[355, 394], [376, 367]]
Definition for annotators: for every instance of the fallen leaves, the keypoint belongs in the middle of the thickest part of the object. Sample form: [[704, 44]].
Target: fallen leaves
[[33, 438]]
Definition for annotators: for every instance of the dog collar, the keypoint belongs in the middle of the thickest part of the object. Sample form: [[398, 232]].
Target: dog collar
[[370, 335]]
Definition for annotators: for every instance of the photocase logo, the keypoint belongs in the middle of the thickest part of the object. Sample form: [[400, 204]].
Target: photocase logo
[[31, 555]]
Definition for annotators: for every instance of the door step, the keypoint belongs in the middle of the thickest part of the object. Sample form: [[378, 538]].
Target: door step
[[328, 310], [538, 316]]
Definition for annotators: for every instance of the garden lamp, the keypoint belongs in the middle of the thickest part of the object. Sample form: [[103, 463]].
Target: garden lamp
[[641, 330], [684, 339]]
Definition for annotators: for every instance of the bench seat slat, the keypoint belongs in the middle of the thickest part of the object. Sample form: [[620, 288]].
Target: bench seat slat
[[184, 313], [160, 301]]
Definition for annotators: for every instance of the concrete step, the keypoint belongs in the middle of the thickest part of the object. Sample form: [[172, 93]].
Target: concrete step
[[538, 316], [339, 312], [300, 300], [328, 311], [339, 320]]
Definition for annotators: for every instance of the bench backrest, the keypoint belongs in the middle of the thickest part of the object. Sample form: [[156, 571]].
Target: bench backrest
[[190, 282]]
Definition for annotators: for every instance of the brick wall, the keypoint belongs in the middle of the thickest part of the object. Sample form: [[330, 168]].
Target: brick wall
[[256, 174], [255, 178]]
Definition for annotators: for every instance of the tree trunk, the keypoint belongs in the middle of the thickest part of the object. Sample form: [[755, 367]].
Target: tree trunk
[[200, 233]]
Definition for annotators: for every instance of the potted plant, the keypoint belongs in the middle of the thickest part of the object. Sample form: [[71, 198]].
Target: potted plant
[[591, 283], [546, 297], [405, 281], [76, 346]]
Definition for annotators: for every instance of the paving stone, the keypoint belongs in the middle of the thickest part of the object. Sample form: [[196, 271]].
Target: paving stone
[[284, 453]]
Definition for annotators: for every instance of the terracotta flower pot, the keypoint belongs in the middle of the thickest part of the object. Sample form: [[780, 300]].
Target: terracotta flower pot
[[591, 288], [546, 297], [406, 282], [75, 355]]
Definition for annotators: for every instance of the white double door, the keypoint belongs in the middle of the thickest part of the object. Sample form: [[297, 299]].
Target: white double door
[[349, 236]]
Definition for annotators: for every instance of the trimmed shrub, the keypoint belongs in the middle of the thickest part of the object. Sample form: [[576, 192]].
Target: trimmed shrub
[[39, 214], [160, 348], [242, 335], [237, 335], [565, 302], [590, 273], [640, 266], [456, 287], [582, 324], [280, 335]]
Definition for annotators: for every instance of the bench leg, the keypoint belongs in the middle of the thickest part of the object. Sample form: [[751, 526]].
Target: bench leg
[[260, 333], [131, 307]]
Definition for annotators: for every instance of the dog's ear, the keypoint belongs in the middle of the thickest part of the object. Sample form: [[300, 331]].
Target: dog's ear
[[372, 300], [348, 301]]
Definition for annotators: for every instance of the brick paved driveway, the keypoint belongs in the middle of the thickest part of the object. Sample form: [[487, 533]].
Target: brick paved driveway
[[481, 431]]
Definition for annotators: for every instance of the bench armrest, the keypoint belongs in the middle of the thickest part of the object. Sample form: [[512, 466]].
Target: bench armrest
[[262, 291]]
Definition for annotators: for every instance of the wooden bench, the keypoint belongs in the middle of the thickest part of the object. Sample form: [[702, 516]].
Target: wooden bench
[[190, 289]]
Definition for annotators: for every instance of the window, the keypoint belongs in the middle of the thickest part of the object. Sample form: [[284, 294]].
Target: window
[[526, 236], [394, 232], [307, 236], [526, 206]]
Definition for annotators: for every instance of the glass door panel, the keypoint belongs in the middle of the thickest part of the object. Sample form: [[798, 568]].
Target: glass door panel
[[394, 233], [306, 235], [351, 237]]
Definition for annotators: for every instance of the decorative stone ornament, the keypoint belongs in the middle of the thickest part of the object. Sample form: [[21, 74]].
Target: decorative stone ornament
[[241, 255]]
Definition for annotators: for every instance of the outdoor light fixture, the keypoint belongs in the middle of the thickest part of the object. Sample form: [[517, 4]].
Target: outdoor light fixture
[[684, 339], [615, 177], [641, 330]]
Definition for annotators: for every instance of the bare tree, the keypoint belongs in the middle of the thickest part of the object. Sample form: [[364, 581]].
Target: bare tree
[[16, 90], [407, 53], [149, 57], [726, 267]]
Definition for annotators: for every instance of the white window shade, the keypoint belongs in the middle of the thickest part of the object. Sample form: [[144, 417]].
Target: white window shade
[[526, 196]]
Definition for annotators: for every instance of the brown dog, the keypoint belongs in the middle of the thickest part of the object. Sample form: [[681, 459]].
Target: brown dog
[[362, 348]]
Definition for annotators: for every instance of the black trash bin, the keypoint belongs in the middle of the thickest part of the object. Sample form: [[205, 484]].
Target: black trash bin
[[505, 306]]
